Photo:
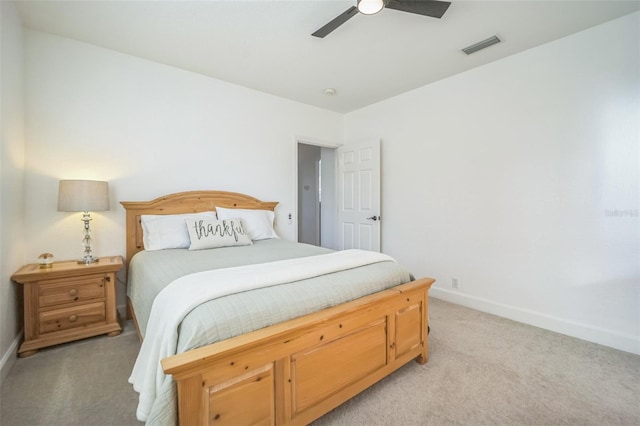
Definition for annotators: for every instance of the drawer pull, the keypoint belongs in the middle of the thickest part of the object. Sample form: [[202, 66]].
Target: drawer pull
[[73, 292], [73, 318]]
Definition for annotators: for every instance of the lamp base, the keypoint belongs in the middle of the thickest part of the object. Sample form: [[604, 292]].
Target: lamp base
[[88, 258]]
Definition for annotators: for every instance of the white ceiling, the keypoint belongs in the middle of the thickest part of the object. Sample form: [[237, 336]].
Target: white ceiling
[[266, 45]]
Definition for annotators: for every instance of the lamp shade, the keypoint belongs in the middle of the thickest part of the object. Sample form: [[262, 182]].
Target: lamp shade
[[83, 196]]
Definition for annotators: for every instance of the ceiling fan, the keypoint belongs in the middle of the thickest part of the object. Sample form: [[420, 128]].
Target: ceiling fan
[[432, 8]]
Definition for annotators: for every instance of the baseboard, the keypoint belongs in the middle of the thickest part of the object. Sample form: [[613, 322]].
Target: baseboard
[[613, 339], [9, 358]]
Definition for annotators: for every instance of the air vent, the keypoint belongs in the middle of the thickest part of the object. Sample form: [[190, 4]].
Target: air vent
[[481, 45]]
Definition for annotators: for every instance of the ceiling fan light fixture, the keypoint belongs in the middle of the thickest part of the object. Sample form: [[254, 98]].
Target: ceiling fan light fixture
[[370, 7]]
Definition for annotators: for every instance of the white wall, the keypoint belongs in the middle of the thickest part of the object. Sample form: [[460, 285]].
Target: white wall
[[11, 187], [521, 179], [149, 130]]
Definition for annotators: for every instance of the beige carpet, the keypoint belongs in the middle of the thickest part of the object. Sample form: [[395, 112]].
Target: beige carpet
[[78, 383], [482, 370], [486, 370]]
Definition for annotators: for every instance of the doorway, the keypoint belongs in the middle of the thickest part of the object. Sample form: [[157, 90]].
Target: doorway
[[316, 195]]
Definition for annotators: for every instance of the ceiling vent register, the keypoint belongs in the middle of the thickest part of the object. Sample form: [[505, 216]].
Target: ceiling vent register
[[481, 45]]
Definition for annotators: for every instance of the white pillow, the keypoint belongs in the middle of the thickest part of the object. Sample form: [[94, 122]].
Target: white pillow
[[165, 231], [258, 223], [206, 234]]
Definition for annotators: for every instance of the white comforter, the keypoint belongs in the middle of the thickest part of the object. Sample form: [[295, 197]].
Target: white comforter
[[176, 300]]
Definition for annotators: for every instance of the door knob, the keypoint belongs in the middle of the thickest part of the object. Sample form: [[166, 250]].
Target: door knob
[[374, 218]]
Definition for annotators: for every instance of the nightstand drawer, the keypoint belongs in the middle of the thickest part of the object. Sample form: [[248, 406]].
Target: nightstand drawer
[[67, 318], [62, 291]]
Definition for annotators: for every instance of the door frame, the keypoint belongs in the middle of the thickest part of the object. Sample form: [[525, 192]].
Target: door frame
[[316, 142]]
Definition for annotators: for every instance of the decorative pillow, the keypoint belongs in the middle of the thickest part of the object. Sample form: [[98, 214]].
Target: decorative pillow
[[258, 223], [206, 234], [169, 231]]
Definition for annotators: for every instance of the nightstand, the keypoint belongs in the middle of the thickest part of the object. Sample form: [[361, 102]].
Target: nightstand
[[68, 301]]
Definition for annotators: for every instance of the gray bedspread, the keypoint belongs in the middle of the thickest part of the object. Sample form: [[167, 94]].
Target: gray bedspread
[[236, 314]]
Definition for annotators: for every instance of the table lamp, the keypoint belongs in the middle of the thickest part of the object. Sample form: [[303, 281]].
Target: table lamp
[[84, 196]]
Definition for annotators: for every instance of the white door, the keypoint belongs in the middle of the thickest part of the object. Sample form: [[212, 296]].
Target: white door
[[359, 196]]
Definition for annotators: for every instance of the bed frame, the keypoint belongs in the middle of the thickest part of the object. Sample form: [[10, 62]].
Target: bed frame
[[298, 370]]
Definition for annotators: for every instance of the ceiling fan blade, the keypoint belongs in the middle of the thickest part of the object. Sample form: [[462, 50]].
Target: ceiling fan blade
[[434, 9], [336, 22]]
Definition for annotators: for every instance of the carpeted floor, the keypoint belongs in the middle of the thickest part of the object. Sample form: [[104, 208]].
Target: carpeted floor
[[482, 370], [79, 383], [486, 370]]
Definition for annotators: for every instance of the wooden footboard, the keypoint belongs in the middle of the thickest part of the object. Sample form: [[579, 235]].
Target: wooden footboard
[[294, 372]]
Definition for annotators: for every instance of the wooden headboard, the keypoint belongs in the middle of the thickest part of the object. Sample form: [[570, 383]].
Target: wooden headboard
[[183, 202]]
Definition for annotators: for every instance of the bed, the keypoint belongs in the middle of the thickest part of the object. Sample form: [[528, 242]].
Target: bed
[[321, 340]]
